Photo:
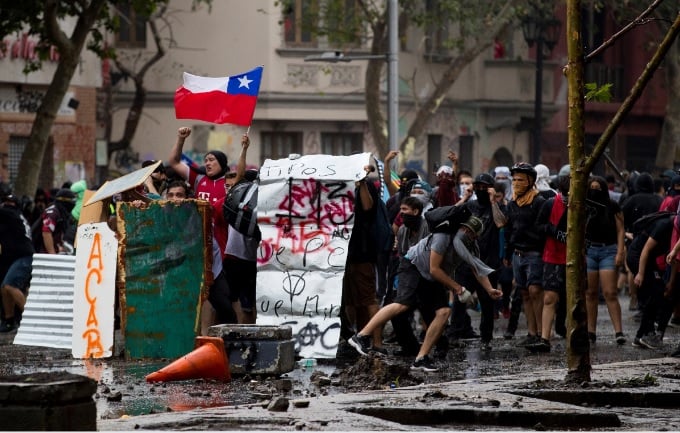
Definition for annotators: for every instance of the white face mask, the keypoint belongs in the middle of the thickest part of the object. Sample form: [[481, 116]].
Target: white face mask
[[422, 197]]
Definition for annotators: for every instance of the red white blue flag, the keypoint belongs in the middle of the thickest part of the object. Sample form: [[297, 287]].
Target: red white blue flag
[[219, 99]]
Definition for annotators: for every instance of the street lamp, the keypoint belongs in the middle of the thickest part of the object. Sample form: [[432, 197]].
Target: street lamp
[[542, 30], [392, 59]]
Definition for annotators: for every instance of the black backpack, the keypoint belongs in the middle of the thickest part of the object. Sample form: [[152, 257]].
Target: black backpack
[[645, 222], [446, 219], [240, 208]]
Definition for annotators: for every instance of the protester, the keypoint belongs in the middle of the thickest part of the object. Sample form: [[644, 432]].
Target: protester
[[425, 276]]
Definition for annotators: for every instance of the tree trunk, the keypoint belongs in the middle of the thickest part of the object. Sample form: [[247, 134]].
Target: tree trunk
[[578, 345], [669, 143], [374, 108], [69, 56]]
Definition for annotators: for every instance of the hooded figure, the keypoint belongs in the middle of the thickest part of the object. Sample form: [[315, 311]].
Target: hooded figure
[[543, 181], [78, 189], [502, 175]]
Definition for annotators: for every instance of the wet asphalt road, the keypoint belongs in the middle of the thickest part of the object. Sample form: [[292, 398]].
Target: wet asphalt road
[[122, 390]]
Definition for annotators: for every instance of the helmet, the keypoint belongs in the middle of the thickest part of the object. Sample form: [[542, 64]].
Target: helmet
[[524, 167], [484, 178], [474, 224]]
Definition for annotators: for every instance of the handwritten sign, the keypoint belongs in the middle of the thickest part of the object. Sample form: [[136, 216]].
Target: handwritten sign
[[94, 291], [306, 224]]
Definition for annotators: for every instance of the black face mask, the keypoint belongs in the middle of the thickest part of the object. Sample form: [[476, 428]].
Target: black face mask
[[412, 222], [598, 195], [482, 196]]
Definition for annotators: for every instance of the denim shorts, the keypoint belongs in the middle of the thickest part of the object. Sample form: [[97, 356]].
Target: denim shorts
[[601, 258], [19, 274], [527, 268]]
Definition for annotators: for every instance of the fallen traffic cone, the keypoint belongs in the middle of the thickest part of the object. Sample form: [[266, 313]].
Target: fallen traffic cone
[[207, 361]]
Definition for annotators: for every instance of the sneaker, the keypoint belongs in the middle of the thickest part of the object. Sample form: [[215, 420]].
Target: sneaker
[[651, 341], [541, 345], [620, 338], [379, 350], [529, 339], [592, 337], [485, 346], [362, 343], [424, 364], [637, 343], [509, 335], [8, 325]]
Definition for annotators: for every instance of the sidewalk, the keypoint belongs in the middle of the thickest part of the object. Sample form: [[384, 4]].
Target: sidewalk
[[632, 389], [496, 403]]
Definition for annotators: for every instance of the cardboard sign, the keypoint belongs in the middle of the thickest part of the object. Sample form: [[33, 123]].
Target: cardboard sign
[[94, 291], [123, 183], [306, 224]]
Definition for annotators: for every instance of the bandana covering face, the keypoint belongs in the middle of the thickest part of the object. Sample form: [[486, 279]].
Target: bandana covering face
[[523, 193]]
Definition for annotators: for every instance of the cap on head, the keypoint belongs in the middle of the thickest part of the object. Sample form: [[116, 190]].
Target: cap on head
[[66, 195], [421, 184], [474, 224], [484, 178], [407, 175]]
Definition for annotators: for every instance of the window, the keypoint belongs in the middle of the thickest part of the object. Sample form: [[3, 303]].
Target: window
[[277, 145], [437, 31], [132, 30], [341, 143], [17, 145], [299, 17], [343, 23]]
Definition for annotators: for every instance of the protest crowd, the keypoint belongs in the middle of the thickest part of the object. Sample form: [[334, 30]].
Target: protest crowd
[[492, 241]]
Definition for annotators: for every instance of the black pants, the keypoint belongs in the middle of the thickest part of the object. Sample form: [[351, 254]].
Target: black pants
[[461, 319]]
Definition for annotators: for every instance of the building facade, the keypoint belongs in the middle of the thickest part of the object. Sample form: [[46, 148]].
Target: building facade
[[70, 155]]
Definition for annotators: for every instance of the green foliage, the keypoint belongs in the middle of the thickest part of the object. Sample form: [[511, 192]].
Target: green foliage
[[603, 93]]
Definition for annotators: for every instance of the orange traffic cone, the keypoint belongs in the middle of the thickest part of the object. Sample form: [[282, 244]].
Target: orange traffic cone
[[207, 361]]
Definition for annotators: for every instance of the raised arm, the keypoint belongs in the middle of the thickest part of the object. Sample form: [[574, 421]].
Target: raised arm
[[241, 163], [387, 172], [175, 159]]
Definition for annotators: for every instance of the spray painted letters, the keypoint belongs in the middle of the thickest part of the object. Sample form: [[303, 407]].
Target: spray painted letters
[[306, 213], [93, 298]]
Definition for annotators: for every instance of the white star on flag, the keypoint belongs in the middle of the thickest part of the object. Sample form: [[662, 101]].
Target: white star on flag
[[244, 81]]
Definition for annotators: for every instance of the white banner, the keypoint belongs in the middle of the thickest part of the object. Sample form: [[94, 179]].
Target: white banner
[[94, 291], [306, 224]]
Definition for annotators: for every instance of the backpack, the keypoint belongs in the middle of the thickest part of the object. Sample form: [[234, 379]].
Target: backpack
[[446, 219], [645, 222], [382, 229], [240, 208]]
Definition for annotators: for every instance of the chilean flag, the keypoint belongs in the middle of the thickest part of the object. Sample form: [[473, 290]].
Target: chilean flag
[[220, 99]]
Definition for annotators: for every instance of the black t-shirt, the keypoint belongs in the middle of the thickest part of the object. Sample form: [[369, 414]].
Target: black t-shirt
[[661, 232], [362, 248], [489, 239], [13, 238], [601, 222]]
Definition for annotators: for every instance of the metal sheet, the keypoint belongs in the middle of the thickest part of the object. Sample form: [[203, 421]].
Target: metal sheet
[[48, 315], [164, 255]]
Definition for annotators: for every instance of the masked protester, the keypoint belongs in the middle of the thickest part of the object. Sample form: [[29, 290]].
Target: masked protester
[[524, 248]]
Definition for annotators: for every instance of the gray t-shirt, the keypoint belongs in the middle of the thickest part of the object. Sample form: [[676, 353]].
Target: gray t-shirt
[[454, 250]]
